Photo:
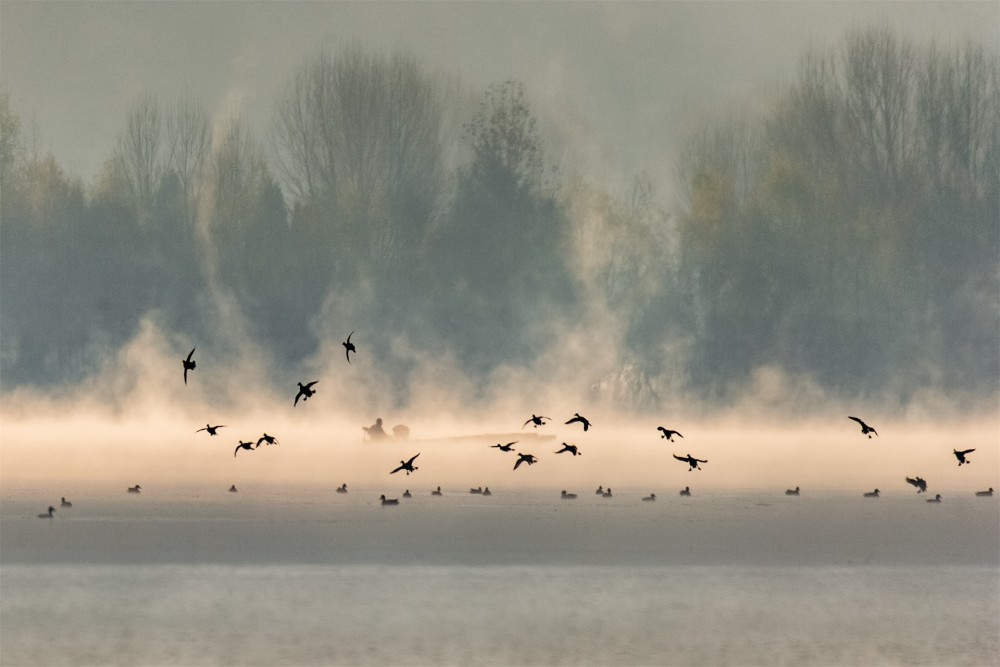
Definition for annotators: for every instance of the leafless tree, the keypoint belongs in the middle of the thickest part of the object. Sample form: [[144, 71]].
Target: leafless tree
[[189, 139], [138, 154]]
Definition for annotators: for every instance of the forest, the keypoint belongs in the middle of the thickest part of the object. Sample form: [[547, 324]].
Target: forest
[[846, 231]]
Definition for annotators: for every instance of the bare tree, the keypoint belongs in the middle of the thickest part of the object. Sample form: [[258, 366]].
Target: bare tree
[[138, 154], [189, 138]]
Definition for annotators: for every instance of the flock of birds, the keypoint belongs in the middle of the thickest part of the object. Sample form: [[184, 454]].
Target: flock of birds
[[307, 391]]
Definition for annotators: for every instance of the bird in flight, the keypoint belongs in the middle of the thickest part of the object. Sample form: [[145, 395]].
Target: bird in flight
[[269, 439], [577, 417], [509, 447], [536, 420], [305, 391], [918, 482], [668, 434], [243, 445], [525, 458], [691, 461], [349, 347], [189, 364], [572, 449], [961, 455], [865, 428], [406, 465], [212, 430]]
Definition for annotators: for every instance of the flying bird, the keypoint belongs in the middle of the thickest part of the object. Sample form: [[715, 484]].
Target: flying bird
[[189, 364], [525, 458], [406, 465], [305, 392], [961, 455], [668, 434], [269, 439], [536, 420], [349, 347], [919, 482], [865, 428], [243, 445], [211, 429], [691, 461], [505, 448], [569, 448], [581, 419]]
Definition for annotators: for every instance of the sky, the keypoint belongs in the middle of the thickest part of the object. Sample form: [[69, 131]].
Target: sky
[[623, 84]]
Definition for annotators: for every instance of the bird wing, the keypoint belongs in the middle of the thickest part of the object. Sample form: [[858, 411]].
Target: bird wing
[[191, 353], [528, 422], [858, 420], [349, 336], [202, 429], [681, 458], [309, 386], [912, 481], [398, 468], [185, 375], [573, 419], [297, 398], [702, 460], [238, 447], [967, 451], [347, 352], [412, 459], [678, 434], [517, 463], [260, 441]]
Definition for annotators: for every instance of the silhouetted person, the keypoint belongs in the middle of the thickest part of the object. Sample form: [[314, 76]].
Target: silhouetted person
[[269, 439], [918, 482], [984, 494], [212, 430], [406, 465], [567, 496], [505, 448], [691, 461], [342, 488], [243, 445], [388, 501], [792, 492], [872, 494], [525, 458], [686, 491], [134, 489], [935, 499], [375, 431], [865, 428], [536, 420], [349, 347], [582, 420], [189, 364], [569, 448], [49, 514], [650, 498], [961, 455], [305, 392], [668, 434], [65, 503]]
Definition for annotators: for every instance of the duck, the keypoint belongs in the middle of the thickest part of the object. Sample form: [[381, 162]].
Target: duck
[[567, 496], [918, 482], [984, 494], [487, 492], [342, 488], [305, 392], [572, 449], [536, 420], [243, 445], [437, 492], [525, 458], [686, 491], [388, 501], [477, 491], [49, 514], [134, 489], [269, 439], [961, 455], [349, 347], [509, 447], [406, 465], [792, 492], [65, 503], [578, 418], [607, 493], [668, 434], [691, 461], [407, 494], [232, 489], [600, 490], [865, 428], [872, 494], [935, 499], [212, 430], [189, 364], [650, 498]]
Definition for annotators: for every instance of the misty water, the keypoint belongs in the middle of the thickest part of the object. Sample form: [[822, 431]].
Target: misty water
[[305, 576]]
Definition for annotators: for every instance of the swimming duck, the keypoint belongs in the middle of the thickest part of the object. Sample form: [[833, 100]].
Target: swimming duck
[[342, 488], [871, 494], [567, 496], [477, 491], [792, 492], [607, 493], [232, 489], [487, 492], [686, 491], [407, 494], [49, 514], [650, 498], [935, 499], [65, 503], [388, 501], [600, 490], [987, 493], [134, 489], [437, 492]]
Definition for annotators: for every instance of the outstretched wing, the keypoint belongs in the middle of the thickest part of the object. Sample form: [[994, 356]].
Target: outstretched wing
[[910, 480], [681, 458], [528, 422], [863, 425], [412, 459], [967, 451], [397, 469], [202, 429], [518, 463], [191, 353], [297, 396]]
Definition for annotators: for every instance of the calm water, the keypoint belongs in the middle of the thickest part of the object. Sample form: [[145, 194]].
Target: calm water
[[194, 576]]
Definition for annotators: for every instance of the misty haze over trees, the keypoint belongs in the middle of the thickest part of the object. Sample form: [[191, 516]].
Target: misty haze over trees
[[847, 233]]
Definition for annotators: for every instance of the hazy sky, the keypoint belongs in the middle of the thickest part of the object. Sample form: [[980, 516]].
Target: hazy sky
[[624, 81]]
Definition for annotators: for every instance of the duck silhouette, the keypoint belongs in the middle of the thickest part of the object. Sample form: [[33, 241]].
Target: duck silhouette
[[437, 492], [406, 465], [305, 392], [407, 494], [572, 449], [691, 461], [487, 492], [49, 514], [668, 434], [872, 494], [134, 489], [525, 458], [600, 490], [478, 491], [792, 492], [232, 489], [189, 364], [985, 494], [65, 503], [567, 496], [607, 493], [918, 482], [269, 439], [388, 501], [578, 418], [342, 488], [865, 428], [505, 448], [961, 455], [650, 498], [212, 430], [935, 499], [686, 491], [243, 445], [536, 420], [349, 347]]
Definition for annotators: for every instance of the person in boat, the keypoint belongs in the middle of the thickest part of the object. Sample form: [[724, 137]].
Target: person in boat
[[375, 431]]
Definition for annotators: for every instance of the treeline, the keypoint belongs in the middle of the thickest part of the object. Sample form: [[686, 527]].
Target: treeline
[[848, 233]]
